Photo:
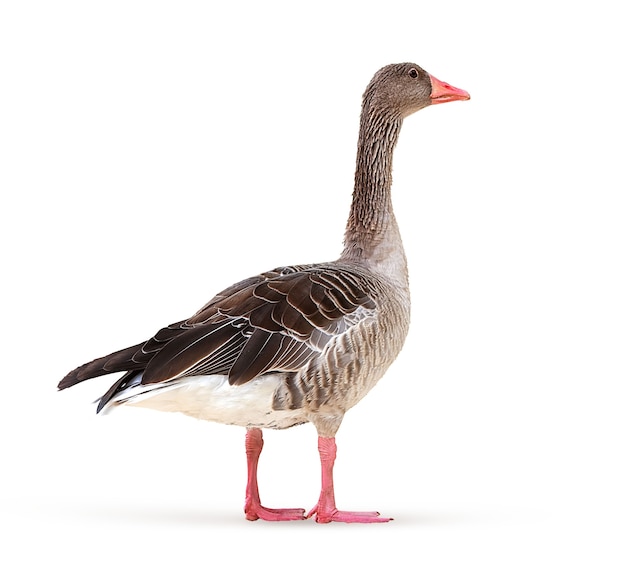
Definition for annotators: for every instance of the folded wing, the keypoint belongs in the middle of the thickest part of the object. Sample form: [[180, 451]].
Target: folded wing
[[274, 322]]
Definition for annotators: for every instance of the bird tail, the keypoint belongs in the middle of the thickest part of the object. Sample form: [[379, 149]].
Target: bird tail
[[120, 361]]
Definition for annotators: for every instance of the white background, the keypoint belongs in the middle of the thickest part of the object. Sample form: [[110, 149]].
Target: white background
[[154, 152]]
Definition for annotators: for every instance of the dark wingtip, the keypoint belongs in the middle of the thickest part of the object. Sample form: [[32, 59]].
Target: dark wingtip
[[101, 405], [70, 379], [120, 361]]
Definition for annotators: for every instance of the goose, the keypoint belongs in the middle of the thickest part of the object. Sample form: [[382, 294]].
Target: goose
[[296, 344]]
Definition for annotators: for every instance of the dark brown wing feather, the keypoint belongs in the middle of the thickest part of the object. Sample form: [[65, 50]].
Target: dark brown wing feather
[[119, 361], [187, 352], [276, 321]]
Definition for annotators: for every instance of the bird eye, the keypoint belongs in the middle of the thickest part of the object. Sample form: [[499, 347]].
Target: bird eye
[[413, 73]]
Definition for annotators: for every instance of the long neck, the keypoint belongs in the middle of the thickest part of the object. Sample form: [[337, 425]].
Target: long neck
[[372, 236]]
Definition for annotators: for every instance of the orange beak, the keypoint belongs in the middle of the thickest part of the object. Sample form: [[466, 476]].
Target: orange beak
[[442, 92]]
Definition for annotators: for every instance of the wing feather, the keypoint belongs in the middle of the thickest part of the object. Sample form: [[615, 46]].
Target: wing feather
[[256, 356], [275, 322], [181, 354]]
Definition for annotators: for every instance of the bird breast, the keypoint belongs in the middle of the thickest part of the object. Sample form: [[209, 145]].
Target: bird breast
[[352, 363]]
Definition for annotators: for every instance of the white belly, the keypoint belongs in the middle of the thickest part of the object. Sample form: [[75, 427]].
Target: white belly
[[210, 397]]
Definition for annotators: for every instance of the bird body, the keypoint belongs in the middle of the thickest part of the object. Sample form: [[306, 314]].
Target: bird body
[[301, 343], [331, 346]]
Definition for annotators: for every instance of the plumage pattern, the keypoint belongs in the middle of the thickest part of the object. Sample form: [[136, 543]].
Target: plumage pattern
[[275, 322], [296, 344]]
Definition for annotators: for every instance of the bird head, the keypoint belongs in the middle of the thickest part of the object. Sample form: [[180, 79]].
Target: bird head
[[405, 88]]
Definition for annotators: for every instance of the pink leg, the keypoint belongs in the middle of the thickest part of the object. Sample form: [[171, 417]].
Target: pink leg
[[325, 509], [253, 508]]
